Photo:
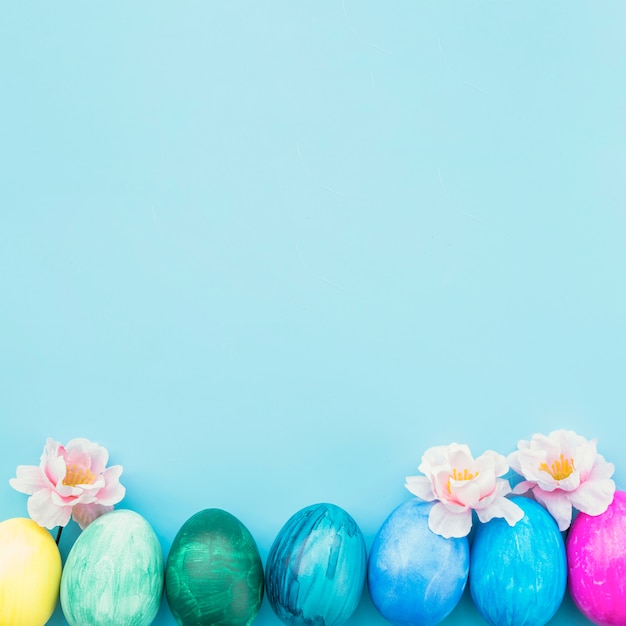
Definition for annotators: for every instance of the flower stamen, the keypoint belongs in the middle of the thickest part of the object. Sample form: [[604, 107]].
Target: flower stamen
[[460, 475], [75, 475], [560, 469]]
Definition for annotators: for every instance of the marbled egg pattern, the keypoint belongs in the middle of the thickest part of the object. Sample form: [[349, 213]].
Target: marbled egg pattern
[[596, 554], [518, 573], [113, 573], [416, 577], [214, 573], [316, 567]]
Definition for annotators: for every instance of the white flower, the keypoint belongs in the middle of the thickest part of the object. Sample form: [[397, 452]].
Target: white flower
[[70, 481], [461, 484], [564, 470]]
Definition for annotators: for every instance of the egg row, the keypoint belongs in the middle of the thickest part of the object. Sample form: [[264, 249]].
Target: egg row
[[316, 569]]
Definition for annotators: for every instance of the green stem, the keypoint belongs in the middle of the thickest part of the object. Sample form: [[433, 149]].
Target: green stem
[[59, 534]]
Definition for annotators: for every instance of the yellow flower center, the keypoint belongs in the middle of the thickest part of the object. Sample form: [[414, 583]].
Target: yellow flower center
[[75, 475], [560, 469], [460, 475]]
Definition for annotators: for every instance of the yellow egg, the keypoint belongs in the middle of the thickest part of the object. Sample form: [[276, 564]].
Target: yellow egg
[[30, 573]]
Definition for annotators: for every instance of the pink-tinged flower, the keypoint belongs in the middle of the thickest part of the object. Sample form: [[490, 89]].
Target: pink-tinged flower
[[70, 481], [461, 484], [564, 470]]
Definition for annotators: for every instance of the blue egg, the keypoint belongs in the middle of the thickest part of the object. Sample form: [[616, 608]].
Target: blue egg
[[315, 570], [518, 573], [416, 577]]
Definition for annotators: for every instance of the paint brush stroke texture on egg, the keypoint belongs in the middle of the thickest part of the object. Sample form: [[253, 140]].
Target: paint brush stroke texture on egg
[[214, 573], [113, 573], [416, 577], [316, 567], [518, 574], [596, 556]]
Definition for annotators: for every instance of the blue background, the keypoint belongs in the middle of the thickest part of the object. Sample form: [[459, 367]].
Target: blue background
[[267, 253]]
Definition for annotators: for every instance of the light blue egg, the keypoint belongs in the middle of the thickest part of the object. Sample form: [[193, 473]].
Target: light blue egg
[[315, 570], [518, 573], [416, 577]]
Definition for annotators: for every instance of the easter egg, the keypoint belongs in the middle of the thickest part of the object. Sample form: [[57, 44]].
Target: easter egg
[[415, 576], [113, 573], [30, 573], [596, 556], [518, 573], [315, 570], [214, 573]]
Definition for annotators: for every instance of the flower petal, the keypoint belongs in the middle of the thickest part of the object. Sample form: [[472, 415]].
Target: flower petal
[[439, 482], [585, 456], [486, 481], [433, 457], [493, 462], [61, 500], [113, 491], [514, 461], [29, 479], [558, 505], [421, 487], [84, 514], [594, 496], [601, 469], [465, 492], [501, 507], [460, 457], [67, 491], [549, 445], [45, 513], [545, 482], [87, 454], [501, 489], [529, 464], [571, 483], [53, 462], [522, 487], [566, 440], [443, 522]]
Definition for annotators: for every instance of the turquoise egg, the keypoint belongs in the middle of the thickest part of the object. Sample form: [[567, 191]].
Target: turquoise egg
[[415, 576], [518, 573], [214, 573], [315, 570], [113, 573]]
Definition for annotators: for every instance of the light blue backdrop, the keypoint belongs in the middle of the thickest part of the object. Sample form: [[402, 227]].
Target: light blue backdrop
[[269, 252]]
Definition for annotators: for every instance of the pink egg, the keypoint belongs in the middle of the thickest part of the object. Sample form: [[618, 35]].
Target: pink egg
[[596, 556]]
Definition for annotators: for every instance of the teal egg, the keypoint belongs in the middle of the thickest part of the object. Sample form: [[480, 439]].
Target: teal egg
[[214, 573], [113, 573], [316, 567], [518, 573]]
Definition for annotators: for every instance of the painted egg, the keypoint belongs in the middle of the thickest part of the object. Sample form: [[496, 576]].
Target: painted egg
[[30, 573], [315, 571], [113, 573], [214, 573], [518, 573], [415, 576], [596, 555]]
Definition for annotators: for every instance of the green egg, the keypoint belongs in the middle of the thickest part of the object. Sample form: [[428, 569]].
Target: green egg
[[113, 573], [214, 574]]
